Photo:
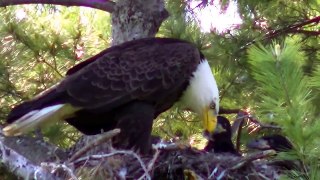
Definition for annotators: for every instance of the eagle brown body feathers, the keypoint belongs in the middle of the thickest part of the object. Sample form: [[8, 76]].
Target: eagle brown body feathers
[[113, 88]]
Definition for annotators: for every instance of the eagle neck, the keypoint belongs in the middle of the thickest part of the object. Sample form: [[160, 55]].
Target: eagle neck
[[201, 90]]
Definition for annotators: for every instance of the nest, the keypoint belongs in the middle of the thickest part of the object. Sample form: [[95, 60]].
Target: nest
[[99, 160], [169, 162]]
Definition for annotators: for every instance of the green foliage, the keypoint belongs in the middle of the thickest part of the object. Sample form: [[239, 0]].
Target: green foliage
[[285, 99], [181, 25], [315, 79], [39, 43]]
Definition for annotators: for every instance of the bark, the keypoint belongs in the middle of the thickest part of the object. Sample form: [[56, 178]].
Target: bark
[[23, 156], [21, 166], [135, 19]]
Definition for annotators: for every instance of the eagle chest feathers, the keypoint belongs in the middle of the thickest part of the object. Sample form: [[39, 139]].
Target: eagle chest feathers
[[126, 87]]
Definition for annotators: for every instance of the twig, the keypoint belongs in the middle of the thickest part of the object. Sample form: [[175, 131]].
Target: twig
[[263, 176], [237, 126], [231, 83], [239, 134], [221, 175], [103, 138], [105, 5], [242, 162], [240, 120], [94, 171], [151, 163], [98, 157], [262, 125], [153, 160], [228, 111], [54, 167], [171, 146], [214, 171], [41, 59], [251, 158]]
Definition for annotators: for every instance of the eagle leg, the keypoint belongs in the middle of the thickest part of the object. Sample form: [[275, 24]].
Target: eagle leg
[[135, 121]]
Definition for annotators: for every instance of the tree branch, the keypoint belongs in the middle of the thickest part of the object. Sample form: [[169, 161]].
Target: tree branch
[[305, 32], [103, 138], [105, 5], [21, 166], [292, 28], [125, 152], [228, 111]]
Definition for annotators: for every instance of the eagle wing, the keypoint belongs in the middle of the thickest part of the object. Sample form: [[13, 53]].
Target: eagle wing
[[154, 70], [141, 70]]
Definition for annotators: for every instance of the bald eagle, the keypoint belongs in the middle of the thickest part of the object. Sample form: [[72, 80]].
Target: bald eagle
[[125, 86]]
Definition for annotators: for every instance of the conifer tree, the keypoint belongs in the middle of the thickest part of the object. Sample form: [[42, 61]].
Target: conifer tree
[[285, 98]]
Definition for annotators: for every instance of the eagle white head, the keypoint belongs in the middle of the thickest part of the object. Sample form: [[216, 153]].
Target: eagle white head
[[202, 96]]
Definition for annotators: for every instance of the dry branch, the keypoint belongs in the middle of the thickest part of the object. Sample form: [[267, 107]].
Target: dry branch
[[253, 157], [120, 152], [103, 138], [23, 156], [21, 166], [254, 124], [104, 5]]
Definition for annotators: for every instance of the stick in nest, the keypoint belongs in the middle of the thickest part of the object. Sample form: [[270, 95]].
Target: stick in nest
[[241, 163], [104, 137], [242, 118], [125, 152], [150, 165], [253, 157], [53, 167]]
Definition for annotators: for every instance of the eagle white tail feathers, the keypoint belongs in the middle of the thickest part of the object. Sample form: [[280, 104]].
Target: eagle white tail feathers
[[38, 118]]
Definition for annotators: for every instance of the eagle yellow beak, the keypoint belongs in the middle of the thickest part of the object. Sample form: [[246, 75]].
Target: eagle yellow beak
[[209, 120]]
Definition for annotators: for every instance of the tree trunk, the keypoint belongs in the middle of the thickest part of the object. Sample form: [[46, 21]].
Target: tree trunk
[[135, 19], [131, 19]]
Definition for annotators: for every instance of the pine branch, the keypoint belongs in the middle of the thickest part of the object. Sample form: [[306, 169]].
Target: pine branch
[[291, 29], [41, 59], [105, 5], [231, 83], [305, 32], [295, 28]]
